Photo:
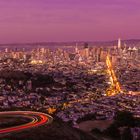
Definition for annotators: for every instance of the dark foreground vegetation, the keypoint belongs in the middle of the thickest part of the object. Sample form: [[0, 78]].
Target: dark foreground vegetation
[[122, 127]]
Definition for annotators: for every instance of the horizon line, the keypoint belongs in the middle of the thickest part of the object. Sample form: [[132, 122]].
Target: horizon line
[[40, 42]]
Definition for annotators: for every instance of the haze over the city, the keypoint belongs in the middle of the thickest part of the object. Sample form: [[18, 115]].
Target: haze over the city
[[68, 20]]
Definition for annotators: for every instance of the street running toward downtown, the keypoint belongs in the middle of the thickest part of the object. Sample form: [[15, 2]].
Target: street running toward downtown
[[37, 119]]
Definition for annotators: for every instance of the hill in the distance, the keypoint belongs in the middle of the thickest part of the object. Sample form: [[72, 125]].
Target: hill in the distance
[[68, 45]]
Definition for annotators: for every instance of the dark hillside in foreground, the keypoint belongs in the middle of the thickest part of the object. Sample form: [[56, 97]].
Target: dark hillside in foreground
[[55, 131]]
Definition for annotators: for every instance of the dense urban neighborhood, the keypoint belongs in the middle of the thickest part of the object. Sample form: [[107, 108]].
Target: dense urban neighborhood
[[88, 84]]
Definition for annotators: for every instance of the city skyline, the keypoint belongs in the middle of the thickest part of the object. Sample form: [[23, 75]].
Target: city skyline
[[71, 20]]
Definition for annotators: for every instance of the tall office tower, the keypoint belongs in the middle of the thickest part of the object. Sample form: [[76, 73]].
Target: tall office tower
[[86, 50], [76, 49], [103, 56], [98, 54], [43, 50], [24, 57], [119, 43], [114, 60], [6, 50]]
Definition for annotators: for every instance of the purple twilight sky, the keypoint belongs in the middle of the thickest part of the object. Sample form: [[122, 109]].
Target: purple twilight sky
[[68, 20]]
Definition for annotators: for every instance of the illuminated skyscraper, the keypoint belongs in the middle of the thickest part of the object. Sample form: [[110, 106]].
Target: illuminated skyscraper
[[6, 50], [76, 49], [119, 43], [86, 50]]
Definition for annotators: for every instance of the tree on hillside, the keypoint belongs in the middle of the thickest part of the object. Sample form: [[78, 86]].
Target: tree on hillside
[[124, 118]]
